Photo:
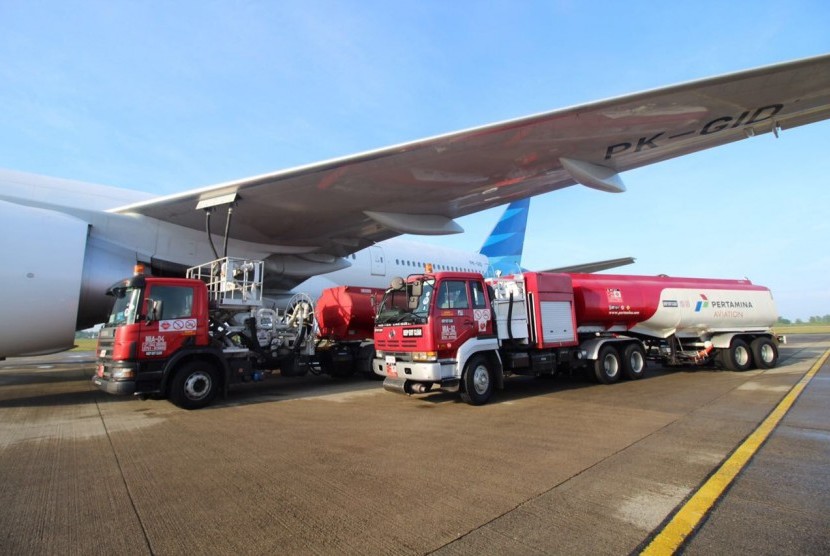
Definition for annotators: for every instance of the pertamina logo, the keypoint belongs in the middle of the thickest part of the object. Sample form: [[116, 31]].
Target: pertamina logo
[[701, 304], [723, 309]]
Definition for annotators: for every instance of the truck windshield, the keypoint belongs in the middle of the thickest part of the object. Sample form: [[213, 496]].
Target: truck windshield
[[125, 310], [404, 305]]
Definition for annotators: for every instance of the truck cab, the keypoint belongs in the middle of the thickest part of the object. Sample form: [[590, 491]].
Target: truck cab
[[427, 327], [154, 322]]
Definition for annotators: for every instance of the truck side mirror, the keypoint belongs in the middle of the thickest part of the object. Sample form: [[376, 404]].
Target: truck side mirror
[[155, 308]]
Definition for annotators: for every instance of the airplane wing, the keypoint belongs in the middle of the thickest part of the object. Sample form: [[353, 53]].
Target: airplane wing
[[339, 206], [594, 266]]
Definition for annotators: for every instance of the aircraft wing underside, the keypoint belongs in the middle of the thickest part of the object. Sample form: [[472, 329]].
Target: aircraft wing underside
[[339, 206]]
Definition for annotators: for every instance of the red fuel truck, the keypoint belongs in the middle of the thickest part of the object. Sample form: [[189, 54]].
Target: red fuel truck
[[188, 339], [460, 332]]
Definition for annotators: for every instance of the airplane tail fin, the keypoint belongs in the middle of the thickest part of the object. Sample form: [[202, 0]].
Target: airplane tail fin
[[503, 247]]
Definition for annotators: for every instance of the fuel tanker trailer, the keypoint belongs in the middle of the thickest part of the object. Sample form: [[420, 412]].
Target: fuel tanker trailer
[[459, 332], [345, 320]]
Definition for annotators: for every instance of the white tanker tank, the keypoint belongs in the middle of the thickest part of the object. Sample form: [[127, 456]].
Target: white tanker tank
[[662, 306], [696, 318]]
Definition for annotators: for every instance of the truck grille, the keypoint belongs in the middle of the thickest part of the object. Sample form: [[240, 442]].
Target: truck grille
[[385, 344], [106, 339]]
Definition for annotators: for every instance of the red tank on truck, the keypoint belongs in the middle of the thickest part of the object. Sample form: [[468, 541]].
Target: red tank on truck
[[462, 333]]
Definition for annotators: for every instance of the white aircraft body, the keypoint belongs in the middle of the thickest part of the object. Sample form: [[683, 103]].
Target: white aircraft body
[[65, 243]]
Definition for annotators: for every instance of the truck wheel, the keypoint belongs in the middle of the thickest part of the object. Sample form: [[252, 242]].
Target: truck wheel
[[194, 385], [337, 363], [292, 365], [737, 357], [764, 352], [478, 381], [363, 362], [633, 361], [607, 366]]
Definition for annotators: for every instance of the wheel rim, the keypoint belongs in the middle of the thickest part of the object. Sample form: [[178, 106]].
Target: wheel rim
[[637, 362], [197, 385], [481, 379], [741, 356], [767, 353], [610, 365]]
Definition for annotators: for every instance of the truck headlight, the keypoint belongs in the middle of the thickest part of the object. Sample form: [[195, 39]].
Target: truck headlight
[[425, 356], [121, 374]]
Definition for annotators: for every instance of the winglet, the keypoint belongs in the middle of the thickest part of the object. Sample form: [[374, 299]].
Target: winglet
[[503, 247]]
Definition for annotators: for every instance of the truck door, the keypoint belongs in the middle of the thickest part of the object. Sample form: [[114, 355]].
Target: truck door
[[482, 316], [174, 323], [455, 323]]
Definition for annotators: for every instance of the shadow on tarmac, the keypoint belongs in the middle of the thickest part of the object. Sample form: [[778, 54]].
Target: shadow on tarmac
[[521, 387], [49, 400]]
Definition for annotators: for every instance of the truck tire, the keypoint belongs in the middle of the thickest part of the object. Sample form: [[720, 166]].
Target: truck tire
[[363, 362], [633, 361], [293, 365], [337, 363], [478, 381], [764, 352], [607, 366], [194, 385], [737, 357]]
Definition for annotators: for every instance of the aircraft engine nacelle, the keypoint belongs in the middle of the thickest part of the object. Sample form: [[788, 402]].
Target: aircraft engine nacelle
[[42, 265], [54, 278], [304, 265], [105, 263]]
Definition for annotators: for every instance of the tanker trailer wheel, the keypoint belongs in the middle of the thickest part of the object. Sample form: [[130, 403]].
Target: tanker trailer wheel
[[194, 385], [737, 357], [478, 381], [607, 366], [337, 362], [764, 352], [633, 361]]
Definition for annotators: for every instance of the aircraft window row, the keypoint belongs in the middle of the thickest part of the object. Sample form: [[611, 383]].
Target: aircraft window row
[[436, 267]]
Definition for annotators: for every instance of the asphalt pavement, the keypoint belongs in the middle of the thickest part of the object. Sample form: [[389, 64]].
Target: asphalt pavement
[[315, 465]]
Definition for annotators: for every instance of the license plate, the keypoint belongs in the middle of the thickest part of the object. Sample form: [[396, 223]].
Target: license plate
[[391, 367]]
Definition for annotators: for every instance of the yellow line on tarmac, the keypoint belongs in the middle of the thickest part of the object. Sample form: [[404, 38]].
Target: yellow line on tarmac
[[689, 516]]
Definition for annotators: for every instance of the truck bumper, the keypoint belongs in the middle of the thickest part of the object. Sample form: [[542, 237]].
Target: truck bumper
[[119, 388], [435, 371], [126, 378], [406, 386]]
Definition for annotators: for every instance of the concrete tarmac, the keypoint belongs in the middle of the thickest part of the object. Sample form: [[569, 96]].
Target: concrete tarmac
[[315, 465]]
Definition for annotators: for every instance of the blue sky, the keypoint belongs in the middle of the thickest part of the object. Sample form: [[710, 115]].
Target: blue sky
[[168, 96]]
